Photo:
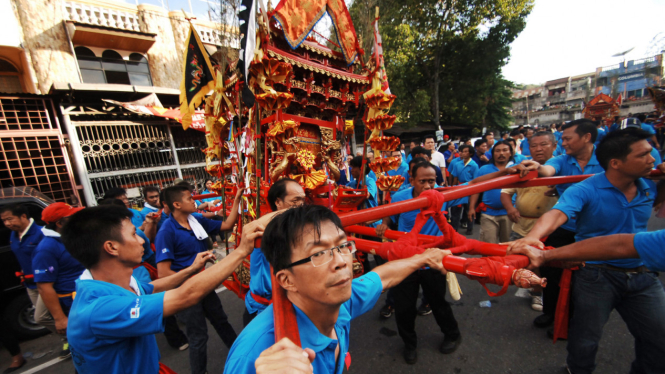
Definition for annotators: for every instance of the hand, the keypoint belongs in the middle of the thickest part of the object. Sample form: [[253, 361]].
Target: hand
[[154, 216], [514, 215], [521, 244], [285, 357], [519, 168], [239, 193], [534, 254], [530, 164], [250, 232], [484, 158], [472, 214], [61, 325], [381, 230], [433, 258], [216, 202], [661, 167], [201, 259]]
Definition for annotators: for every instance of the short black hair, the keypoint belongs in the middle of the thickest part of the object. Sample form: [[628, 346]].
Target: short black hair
[[278, 191], [286, 230], [174, 194], [479, 142], [429, 137], [512, 141], [420, 165], [548, 134], [186, 185], [421, 151], [357, 162], [642, 117], [515, 132], [114, 192], [466, 146], [616, 145], [148, 189], [487, 134], [110, 201], [17, 210], [86, 231], [503, 142], [416, 160], [584, 126]]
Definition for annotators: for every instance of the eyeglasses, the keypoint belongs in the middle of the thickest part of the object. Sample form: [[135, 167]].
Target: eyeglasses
[[324, 257]]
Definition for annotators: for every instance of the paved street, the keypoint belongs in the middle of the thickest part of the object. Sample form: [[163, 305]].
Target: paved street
[[500, 339]]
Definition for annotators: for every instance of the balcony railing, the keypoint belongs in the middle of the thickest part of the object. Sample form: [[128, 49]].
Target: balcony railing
[[99, 16]]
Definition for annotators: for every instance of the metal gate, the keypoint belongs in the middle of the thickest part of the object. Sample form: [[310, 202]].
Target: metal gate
[[133, 155]]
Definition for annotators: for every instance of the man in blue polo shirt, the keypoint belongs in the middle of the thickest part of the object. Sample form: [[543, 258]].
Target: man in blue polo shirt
[[182, 237], [495, 226], [616, 201], [152, 205], [312, 261], [114, 317], [480, 147], [528, 133], [462, 171], [25, 237], [577, 138], [56, 270], [433, 283], [283, 194], [370, 181]]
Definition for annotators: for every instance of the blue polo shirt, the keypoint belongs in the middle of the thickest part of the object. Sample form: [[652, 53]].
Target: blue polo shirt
[[478, 160], [259, 335], [137, 218], [648, 128], [148, 254], [180, 245], [518, 158], [601, 209], [148, 209], [465, 173], [600, 136], [372, 190], [112, 330], [406, 220], [259, 283], [23, 249], [526, 151], [650, 247], [491, 198], [52, 263], [567, 165]]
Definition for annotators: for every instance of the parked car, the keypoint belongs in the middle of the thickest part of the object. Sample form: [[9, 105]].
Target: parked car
[[16, 309]]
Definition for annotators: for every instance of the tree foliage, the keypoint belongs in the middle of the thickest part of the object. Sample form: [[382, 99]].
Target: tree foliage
[[444, 57]]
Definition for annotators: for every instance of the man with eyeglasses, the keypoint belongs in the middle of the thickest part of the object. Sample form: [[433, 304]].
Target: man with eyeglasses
[[312, 260]]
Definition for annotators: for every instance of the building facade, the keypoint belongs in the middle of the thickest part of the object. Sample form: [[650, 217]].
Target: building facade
[[561, 100], [64, 58]]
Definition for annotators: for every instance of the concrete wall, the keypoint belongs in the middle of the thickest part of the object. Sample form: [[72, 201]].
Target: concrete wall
[[44, 37]]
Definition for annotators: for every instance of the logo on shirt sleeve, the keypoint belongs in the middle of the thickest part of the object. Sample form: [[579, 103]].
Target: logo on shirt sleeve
[[136, 311], [165, 250]]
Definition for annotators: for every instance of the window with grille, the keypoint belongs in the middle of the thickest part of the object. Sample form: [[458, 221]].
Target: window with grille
[[10, 78], [36, 161], [112, 68]]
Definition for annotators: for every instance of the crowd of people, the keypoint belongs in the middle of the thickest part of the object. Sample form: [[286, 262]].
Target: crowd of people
[[108, 278]]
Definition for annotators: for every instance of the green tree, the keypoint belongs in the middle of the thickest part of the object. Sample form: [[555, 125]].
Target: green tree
[[444, 57]]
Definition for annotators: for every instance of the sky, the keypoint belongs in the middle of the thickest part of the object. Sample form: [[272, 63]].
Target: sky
[[571, 37]]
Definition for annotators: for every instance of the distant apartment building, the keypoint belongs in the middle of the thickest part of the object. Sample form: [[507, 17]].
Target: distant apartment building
[[562, 99]]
